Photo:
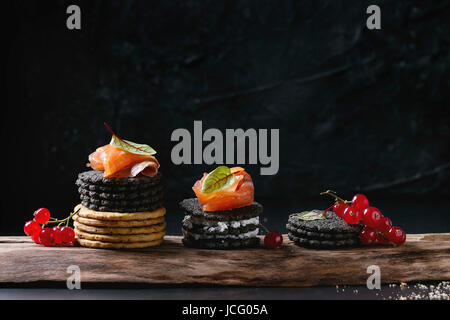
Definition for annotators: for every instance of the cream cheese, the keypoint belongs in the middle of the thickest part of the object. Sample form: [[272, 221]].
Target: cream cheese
[[219, 226], [250, 234]]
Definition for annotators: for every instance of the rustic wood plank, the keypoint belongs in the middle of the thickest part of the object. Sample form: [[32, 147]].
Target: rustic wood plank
[[423, 257]]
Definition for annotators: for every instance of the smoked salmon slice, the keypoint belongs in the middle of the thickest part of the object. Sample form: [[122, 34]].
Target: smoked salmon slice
[[240, 194], [118, 163]]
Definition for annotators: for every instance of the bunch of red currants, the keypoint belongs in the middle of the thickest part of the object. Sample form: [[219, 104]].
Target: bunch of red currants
[[378, 229], [41, 234]]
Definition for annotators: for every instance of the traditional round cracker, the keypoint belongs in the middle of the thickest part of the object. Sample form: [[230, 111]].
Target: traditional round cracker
[[117, 245], [105, 215], [120, 238], [126, 231], [117, 223]]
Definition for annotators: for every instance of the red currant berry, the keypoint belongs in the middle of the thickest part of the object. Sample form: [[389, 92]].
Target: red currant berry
[[41, 215], [31, 227], [67, 234], [396, 235], [368, 236], [273, 240], [384, 226], [351, 215], [372, 217], [360, 202], [35, 237], [46, 237], [57, 235], [381, 239], [339, 208]]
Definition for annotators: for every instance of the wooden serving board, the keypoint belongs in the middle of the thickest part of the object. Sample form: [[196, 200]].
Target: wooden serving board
[[422, 257]]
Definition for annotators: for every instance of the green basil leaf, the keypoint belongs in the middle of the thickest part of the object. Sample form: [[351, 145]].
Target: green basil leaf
[[218, 179], [312, 215], [132, 147]]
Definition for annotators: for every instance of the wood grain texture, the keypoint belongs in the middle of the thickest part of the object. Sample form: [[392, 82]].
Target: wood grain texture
[[423, 257]]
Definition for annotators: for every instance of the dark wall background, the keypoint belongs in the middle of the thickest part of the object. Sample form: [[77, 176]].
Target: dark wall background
[[358, 110]]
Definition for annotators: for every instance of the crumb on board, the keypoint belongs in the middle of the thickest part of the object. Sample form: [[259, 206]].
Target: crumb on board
[[418, 291]]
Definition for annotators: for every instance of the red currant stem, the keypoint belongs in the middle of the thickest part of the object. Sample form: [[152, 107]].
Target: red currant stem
[[261, 225], [60, 222], [335, 196]]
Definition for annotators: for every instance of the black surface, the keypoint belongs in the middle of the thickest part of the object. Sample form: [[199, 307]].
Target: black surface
[[386, 292], [358, 110], [201, 293]]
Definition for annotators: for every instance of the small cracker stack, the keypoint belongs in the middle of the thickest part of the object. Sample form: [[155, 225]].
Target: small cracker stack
[[332, 232], [231, 229], [121, 213]]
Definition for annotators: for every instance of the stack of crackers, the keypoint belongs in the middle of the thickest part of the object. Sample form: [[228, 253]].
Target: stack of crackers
[[331, 232], [119, 213], [230, 229]]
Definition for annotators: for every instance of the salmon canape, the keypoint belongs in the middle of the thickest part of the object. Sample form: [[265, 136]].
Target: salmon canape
[[224, 214], [121, 197]]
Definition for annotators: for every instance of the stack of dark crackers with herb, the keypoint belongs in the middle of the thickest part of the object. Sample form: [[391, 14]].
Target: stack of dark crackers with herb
[[322, 230], [230, 229]]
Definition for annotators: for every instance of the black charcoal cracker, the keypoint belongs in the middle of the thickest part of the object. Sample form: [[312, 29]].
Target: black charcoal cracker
[[96, 178], [193, 207], [201, 233], [332, 224], [116, 188], [149, 207], [323, 244], [130, 195], [123, 203], [222, 244], [302, 233]]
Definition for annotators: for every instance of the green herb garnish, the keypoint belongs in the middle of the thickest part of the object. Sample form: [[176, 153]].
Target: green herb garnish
[[129, 146], [311, 215], [218, 179]]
